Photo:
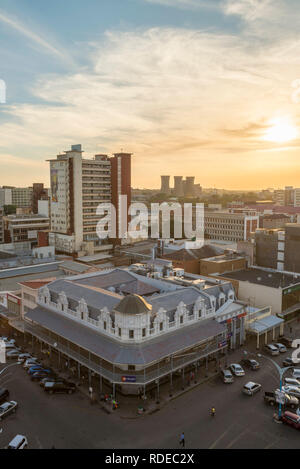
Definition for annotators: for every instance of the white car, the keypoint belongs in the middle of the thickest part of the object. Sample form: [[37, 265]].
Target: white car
[[19, 442], [7, 408], [237, 370], [291, 382], [282, 348], [251, 388], [25, 356], [292, 390], [30, 362]]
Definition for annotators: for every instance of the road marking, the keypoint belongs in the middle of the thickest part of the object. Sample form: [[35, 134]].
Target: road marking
[[39, 443], [221, 437], [237, 438]]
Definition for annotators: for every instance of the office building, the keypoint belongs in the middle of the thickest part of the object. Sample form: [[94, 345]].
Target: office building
[[24, 229], [226, 226], [1, 225], [278, 249]]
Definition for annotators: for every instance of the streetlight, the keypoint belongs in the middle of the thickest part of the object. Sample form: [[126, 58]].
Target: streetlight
[[281, 372]]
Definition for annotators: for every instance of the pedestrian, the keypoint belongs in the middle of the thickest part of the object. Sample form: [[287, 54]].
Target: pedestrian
[[182, 440]]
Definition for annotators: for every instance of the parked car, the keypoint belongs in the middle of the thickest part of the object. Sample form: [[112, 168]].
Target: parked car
[[226, 376], [291, 419], [18, 442], [287, 341], [51, 379], [4, 395], [237, 370], [288, 361], [7, 408], [34, 368], [291, 402], [30, 362], [291, 382], [38, 375], [58, 387], [251, 388], [250, 363], [271, 349], [292, 390], [282, 348], [296, 373], [11, 346], [12, 354], [8, 340], [24, 356]]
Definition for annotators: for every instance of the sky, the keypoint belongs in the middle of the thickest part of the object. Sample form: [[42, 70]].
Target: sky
[[204, 88]]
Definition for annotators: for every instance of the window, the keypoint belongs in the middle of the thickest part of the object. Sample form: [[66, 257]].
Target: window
[[144, 332], [161, 326], [120, 332], [131, 367], [181, 319], [131, 334], [104, 325]]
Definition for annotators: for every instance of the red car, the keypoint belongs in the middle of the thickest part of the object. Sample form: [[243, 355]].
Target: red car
[[291, 419]]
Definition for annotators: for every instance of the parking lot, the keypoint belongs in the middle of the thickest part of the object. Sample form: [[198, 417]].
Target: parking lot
[[70, 421]]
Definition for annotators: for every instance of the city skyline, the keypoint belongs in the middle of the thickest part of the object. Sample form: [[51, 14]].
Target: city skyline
[[203, 88]]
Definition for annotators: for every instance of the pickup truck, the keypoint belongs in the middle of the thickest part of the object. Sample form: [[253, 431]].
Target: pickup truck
[[291, 402]]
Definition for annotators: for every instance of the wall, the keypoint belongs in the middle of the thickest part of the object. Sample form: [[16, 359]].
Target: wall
[[208, 267]]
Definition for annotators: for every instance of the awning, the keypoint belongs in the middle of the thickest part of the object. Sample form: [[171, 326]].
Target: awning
[[290, 310], [264, 325]]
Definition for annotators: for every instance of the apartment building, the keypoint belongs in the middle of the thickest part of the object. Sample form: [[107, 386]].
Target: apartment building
[[226, 226], [78, 186]]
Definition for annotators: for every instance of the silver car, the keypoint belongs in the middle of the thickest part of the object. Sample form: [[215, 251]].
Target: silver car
[[292, 390], [8, 408], [237, 370], [282, 348], [251, 388]]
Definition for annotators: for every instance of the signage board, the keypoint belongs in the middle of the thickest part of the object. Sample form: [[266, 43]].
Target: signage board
[[128, 379]]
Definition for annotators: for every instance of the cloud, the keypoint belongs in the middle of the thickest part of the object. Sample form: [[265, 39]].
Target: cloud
[[185, 4], [249, 10], [24, 31], [177, 98]]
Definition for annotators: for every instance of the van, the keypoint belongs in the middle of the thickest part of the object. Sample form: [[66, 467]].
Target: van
[[19, 442], [296, 373], [4, 395]]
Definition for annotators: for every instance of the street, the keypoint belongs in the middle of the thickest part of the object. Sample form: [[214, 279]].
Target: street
[[65, 421]]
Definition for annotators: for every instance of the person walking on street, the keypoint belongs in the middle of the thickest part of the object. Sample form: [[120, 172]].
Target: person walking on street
[[182, 440]]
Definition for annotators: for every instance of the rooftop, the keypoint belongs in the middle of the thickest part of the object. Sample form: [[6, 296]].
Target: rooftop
[[268, 277]]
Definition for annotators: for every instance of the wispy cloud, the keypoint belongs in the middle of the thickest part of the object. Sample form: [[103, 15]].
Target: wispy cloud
[[177, 98], [40, 41], [250, 10], [186, 4]]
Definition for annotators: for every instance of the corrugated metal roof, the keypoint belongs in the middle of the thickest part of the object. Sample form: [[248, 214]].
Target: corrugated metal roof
[[126, 354]]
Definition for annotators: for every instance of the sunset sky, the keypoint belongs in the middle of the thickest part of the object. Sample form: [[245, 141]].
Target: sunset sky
[[204, 88]]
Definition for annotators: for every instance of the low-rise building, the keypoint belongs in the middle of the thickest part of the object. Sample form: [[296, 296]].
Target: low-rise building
[[136, 331], [24, 228]]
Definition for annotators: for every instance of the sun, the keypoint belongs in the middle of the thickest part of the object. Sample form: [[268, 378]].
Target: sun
[[281, 130]]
